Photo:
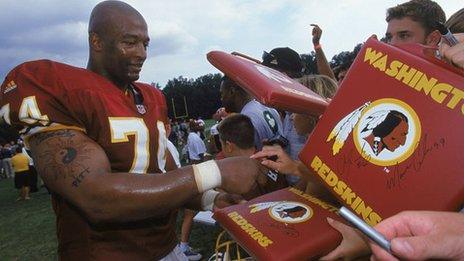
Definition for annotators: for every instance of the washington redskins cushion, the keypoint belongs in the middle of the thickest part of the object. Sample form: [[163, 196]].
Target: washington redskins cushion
[[283, 225], [391, 139], [270, 87]]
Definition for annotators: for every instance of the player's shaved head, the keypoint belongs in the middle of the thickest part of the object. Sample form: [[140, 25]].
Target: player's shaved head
[[118, 40], [107, 14]]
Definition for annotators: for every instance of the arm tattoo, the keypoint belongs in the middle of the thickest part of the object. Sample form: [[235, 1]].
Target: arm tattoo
[[69, 154], [39, 138], [77, 179], [62, 156]]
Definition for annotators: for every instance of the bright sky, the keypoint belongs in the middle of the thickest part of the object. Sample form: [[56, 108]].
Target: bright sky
[[183, 31]]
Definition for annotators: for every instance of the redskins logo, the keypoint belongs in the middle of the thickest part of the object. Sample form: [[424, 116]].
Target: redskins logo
[[385, 132], [290, 212]]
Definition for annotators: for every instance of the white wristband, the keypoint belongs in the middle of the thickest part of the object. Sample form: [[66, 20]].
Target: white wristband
[[207, 199], [207, 175]]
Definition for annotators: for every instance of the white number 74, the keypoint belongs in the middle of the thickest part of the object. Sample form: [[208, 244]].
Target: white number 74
[[122, 127]]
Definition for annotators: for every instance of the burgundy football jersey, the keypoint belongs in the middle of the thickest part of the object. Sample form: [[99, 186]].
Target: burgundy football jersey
[[44, 95]]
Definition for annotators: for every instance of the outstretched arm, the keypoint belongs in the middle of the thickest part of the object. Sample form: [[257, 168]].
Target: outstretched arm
[[75, 167], [284, 164], [323, 65]]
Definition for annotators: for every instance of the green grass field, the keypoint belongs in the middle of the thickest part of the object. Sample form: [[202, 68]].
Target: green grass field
[[27, 228]]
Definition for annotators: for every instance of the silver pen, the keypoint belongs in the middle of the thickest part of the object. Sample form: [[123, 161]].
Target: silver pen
[[446, 34], [370, 232]]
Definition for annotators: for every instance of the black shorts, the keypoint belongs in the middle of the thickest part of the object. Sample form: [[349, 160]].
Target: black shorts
[[21, 179]]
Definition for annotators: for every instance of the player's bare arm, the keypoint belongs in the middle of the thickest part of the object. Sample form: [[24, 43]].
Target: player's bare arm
[[213, 199], [75, 167]]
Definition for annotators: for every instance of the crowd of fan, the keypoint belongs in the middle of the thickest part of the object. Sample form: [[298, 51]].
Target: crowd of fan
[[17, 163], [244, 127]]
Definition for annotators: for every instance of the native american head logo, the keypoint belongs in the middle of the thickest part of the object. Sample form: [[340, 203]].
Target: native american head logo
[[290, 212], [293, 212], [385, 132], [284, 211]]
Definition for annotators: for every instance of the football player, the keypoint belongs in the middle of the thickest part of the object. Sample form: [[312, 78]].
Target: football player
[[95, 134]]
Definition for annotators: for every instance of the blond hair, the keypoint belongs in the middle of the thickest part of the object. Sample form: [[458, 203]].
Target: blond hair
[[320, 84]]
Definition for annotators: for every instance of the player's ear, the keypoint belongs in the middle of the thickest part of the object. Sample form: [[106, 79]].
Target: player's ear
[[95, 42]]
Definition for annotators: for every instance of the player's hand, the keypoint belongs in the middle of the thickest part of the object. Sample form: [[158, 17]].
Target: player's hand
[[317, 33], [454, 54], [422, 235], [352, 246], [239, 174], [282, 163], [224, 200]]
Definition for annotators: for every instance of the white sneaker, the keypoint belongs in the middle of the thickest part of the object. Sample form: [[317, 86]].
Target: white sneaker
[[192, 255]]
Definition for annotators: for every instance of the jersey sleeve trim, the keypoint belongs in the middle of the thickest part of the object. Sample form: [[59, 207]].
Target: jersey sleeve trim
[[52, 127]]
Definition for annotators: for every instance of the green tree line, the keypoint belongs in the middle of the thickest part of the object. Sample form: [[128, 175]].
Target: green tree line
[[193, 98]]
